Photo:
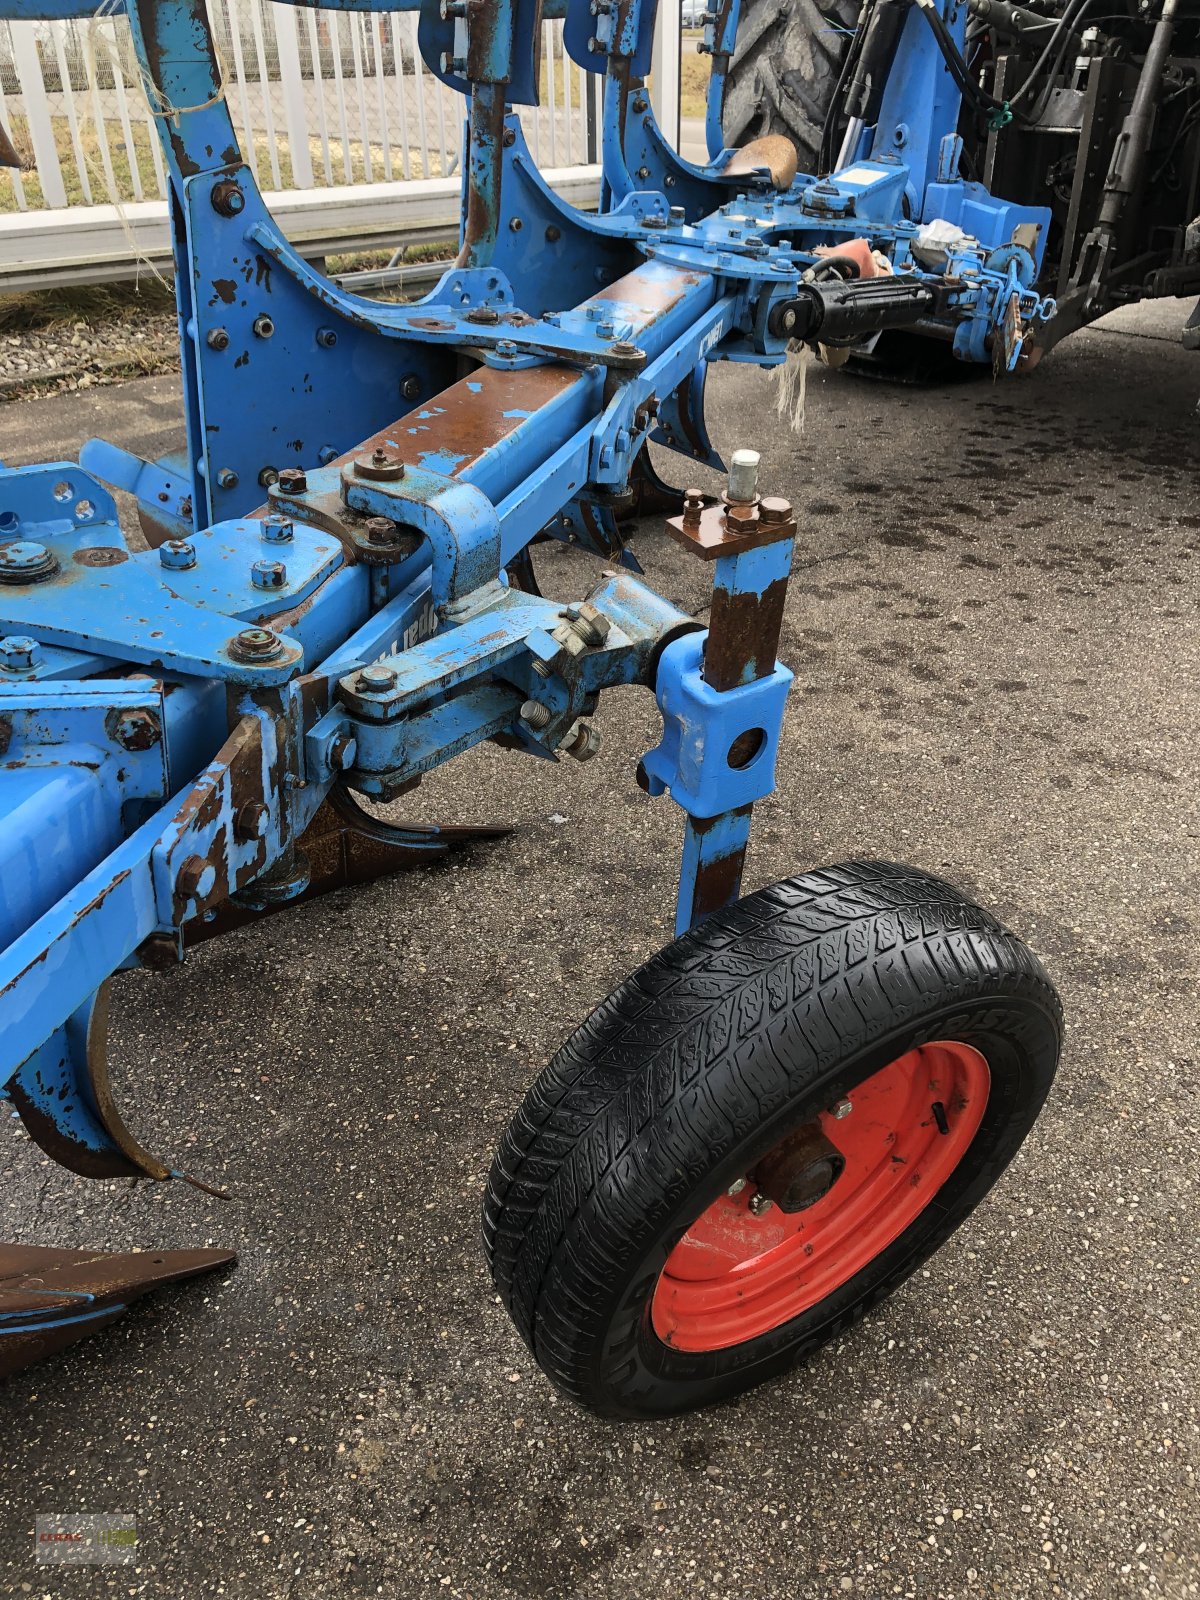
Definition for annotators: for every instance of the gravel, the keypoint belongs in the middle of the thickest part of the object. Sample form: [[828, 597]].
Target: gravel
[[67, 356], [993, 623]]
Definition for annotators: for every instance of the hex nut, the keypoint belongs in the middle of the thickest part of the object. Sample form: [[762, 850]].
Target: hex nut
[[293, 480], [381, 530], [250, 820]]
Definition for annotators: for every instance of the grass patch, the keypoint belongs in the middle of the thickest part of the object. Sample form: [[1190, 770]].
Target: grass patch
[[51, 307], [694, 72]]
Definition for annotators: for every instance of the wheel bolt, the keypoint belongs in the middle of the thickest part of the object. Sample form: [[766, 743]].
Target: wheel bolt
[[736, 1187], [842, 1109], [760, 1204]]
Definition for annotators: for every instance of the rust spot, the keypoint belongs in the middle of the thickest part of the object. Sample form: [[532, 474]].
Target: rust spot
[[226, 290]]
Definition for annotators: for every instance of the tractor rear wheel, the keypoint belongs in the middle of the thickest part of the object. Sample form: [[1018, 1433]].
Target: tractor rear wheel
[[763, 1132], [784, 70]]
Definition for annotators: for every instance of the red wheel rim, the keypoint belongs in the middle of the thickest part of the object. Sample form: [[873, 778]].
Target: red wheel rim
[[734, 1276]]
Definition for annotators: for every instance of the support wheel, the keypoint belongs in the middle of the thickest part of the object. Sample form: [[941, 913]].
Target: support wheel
[[763, 1132]]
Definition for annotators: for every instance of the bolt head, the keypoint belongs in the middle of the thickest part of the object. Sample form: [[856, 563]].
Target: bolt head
[[278, 530], [293, 480], [268, 575], [196, 879], [375, 680], [773, 508], [327, 338], [251, 820], [342, 752], [19, 653], [227, 478], [410, 387], [736, 1187], [759, 1203], [177, 555], [841, 1110]]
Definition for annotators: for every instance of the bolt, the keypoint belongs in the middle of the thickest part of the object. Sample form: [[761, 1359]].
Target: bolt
[[506, 348], [379, 464], [267, 476], [678, 214], [582, 741], [375, 680], [326, 338], [606, 329], [535, 714], [218, 339], [292, 480], [483, 314], [542, 670], [19, 653], [177, 555], [588, 623], [264, 327], [639, 103], [625, 349], [841, 1110], [133, 729], [773, 508], [787, 321], [743, 476], [268, 574], [509, 138], [255, 644], [227, 198], [196, 878], [760, 1204], [326, 455], [516, 225], [736, 1187], [343, 751], [553, 234], [380, 530], [250, 820], [654, 222], [693, 506], [740, 518], [410, 387], [278, 530], [227, 478], [23, 561]]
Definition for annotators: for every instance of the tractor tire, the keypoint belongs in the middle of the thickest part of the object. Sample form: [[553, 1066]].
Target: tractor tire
[[785, 66], [870, 1007]]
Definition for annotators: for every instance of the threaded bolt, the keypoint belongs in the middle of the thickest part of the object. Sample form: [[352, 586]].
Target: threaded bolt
[[536, 714]]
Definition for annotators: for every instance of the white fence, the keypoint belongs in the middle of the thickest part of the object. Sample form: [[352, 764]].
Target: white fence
[[355, 143], [319, 98]]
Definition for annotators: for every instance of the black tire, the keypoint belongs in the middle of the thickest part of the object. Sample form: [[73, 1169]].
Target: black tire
[[785, 66], [699, 1063]]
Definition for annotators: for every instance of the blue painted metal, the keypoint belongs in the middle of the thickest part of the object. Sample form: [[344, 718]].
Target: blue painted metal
[[328, 602]]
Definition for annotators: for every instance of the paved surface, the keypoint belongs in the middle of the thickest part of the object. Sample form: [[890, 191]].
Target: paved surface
[[994, 627]]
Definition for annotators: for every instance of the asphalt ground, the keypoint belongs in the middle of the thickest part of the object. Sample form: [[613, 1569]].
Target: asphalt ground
[[993, 623]]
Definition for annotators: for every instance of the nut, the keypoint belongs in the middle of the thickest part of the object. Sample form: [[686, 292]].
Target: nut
[[19, 653], [293, 480], [177, 555], [840, 1110], [218, 339], [380, 530], [268, 575], [582, 741], [774, 509], [380, 464], [250, 820], [227, 198], [760, 1204], [196, 878], [255, 644]]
